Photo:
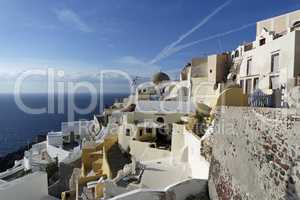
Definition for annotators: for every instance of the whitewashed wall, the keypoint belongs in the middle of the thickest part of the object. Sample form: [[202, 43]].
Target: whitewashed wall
[[143, 152], [261, 60], [178, 191], [57, 152], [30, 187]]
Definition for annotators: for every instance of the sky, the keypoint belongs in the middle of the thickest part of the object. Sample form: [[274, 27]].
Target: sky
[[139, 37]]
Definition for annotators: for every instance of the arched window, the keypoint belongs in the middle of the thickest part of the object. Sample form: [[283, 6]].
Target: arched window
[[296, 24], [262, 41], [236, 54], [160, 120]]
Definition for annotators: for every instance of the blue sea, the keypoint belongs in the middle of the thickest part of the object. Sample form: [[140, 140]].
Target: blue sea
[[18, 128]]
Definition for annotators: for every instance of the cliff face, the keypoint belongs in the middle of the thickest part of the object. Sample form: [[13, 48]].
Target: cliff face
[[256, 154], [8, 160]]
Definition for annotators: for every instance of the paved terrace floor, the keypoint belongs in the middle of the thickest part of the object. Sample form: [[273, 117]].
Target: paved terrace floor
[[161, 173]]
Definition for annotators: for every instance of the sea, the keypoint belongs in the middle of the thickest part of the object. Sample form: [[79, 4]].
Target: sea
[[18, 128]]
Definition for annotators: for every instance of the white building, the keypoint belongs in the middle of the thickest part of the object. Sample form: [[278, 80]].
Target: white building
[[151, 122], [162, 88], [183, 166], [63, 145], [37, 158], [55, 139], [272, 61], [205, 76], [78, 129]]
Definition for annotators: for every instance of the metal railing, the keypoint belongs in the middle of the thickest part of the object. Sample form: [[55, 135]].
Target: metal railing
[[260, 100]]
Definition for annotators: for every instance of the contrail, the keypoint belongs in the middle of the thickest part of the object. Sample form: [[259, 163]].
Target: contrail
[[169, 48], [181, 47]]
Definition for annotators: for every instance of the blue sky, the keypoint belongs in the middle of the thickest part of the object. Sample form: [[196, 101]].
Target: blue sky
[[137, 36]]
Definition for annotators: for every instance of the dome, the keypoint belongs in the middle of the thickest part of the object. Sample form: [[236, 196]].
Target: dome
[[160, 77]]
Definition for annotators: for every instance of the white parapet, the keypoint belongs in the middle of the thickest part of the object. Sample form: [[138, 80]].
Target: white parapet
[[57, 152], [30, 187]]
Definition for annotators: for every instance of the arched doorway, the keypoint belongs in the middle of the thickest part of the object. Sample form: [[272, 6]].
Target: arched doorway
[[160, 120], [296, 25]]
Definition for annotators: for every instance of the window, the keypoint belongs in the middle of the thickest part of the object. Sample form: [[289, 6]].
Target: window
[[242, 84], [274, 82], [249, 66], [160, 120], [234, 77], [236, 54], [275, 62], [255, 83], [210, 71], [66, 137], [248, 86], [141, 132], [127, 132], [148, 130], [262, 41], [296, 25], [248, 47]]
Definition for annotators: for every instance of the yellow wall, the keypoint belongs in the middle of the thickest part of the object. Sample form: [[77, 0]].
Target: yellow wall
[[232, 97], [99, 190], [108, 143], [216, 67], [93, 158], [90, 154], [105, 166], [68, 195], [203, 91]]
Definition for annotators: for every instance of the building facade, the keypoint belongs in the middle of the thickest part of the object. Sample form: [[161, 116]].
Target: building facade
[[206, 76], [271, 62]]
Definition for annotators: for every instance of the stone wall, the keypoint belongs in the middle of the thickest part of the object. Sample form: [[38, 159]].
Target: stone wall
[[256, 154]]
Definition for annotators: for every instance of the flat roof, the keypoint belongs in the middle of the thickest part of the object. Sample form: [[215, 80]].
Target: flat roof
[[183, 107], [148, 124]]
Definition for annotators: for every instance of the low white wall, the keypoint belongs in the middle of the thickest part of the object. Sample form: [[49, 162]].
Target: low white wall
[[27, 163], [38, 148], [178, 141], [123, 140], [141, 194], [55, 140], [78, 127], [30, 187], [186, 147], [187, 188], [143, 152], [178, 191], [199, 166], [73, 156], [57, 152]]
